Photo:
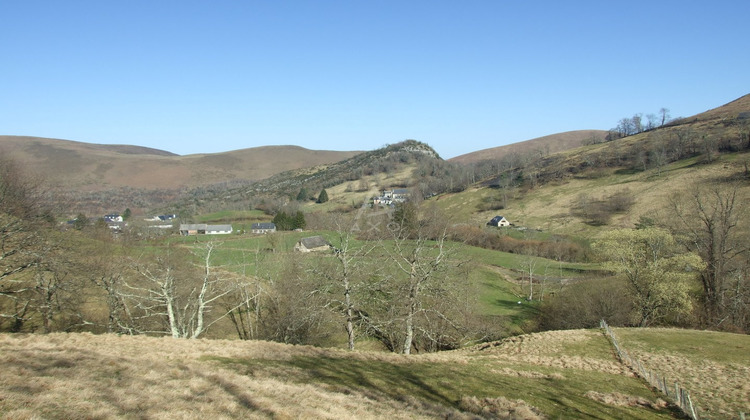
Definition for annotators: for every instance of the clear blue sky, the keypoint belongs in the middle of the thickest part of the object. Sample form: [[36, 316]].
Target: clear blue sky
[[214, 76]]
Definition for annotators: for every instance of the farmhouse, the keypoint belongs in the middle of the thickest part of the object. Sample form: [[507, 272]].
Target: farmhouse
[[113, 218], [498, 221], [263, 228], [389, 197], [204, 229], [312, 244]]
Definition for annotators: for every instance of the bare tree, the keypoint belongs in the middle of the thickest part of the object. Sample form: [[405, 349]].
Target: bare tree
[[345, 277], [183, 303], [244, 304], [528, 264], [664, 113], [22, 226], [421, 258], [710, 219]]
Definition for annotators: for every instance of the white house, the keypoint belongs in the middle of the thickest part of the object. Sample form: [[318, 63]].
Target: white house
[[204, 229], [263, 228], [498, 221]]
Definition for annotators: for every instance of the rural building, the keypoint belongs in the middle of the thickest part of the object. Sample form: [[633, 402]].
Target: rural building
[[161, 218], [112, 218], [389, 197], [263, 228], [204, 229], [312, 244], [498, 221]]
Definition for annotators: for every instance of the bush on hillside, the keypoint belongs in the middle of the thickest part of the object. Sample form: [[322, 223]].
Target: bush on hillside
[[583, 304]]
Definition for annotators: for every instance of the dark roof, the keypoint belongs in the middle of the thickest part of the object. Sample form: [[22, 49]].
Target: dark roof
[[263, 226], [314, 242]]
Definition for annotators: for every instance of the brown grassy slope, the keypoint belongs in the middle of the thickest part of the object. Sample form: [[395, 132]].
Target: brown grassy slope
[[592, 171], [108, 376], [554, 207], [548, 144], [94, 167], [713, 366], [728, 110]]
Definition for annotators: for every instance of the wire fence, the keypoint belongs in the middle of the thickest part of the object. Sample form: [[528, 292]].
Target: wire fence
[[676, 393]]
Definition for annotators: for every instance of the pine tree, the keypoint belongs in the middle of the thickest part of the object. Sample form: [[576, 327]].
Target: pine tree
[[323, 197], [283, 221], [299, 220]]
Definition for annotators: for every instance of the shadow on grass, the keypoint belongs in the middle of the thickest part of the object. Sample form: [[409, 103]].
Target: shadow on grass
[[393, 380]]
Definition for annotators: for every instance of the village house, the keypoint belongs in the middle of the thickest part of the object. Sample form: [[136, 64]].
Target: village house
[[161, 218], [390, 197], [204, 229], [312, 244], [163, 221], [111, 218], [498, 221], [263, 228]]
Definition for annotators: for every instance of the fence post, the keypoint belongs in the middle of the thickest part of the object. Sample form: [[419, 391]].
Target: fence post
[[682, 397]]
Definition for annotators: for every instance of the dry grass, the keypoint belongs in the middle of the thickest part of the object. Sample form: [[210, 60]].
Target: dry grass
[[714, 367], [95, 167], [557, 349], [622, 400], [551, 144], [501, 408], [86, 376], [77, 376]]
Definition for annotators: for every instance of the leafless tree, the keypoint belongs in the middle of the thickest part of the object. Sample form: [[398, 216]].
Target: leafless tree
[[184, 302], [420, 260], [23, 221], [664, 113], [343, 280], [712, 222]]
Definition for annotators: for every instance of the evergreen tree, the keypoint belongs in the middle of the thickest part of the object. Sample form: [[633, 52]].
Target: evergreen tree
[[302, 195], [299, 220], [81, 221], [126, 214], [283, 221], [323, 197]]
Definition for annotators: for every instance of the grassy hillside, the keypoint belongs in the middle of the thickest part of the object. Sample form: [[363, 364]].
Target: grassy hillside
[[548, 144], [94, 167], [554, 207], [713, 366], [569, 374]]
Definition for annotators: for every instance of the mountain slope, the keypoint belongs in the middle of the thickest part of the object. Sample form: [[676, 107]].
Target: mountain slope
[[83, 167], [548, 144], [575, 191]]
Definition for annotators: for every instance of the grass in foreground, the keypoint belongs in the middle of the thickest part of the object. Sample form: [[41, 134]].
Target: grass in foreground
[[568, 374], [714, 367]]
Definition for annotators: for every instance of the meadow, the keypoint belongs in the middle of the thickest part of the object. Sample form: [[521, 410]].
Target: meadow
[[558, 374]]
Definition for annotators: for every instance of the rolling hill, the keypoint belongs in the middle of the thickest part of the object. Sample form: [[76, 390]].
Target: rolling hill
[[85, 167], [548, 144]]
